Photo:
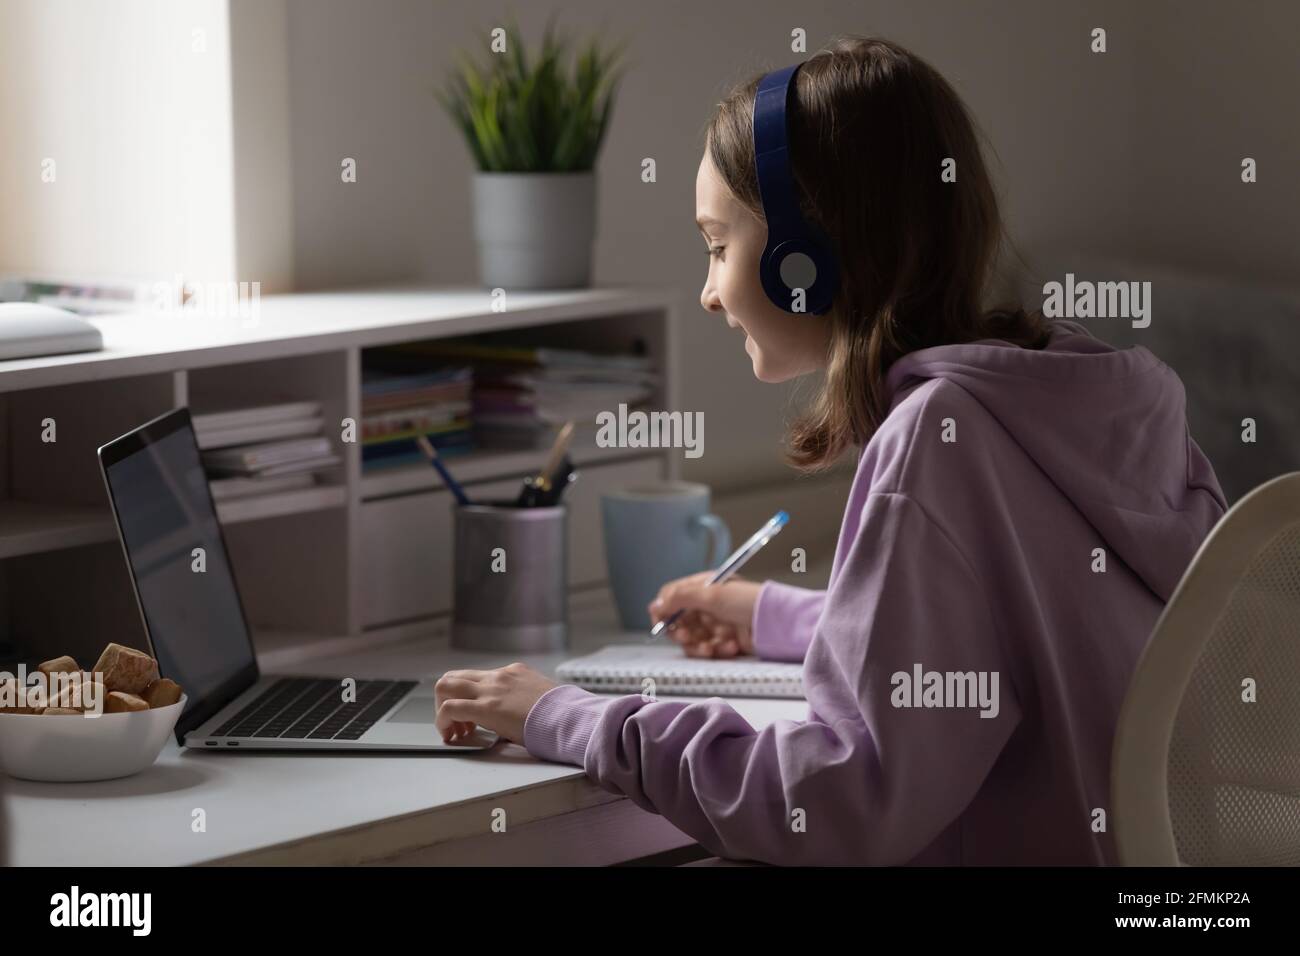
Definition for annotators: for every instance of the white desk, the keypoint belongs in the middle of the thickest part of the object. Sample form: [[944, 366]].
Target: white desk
[[311, 322], [355, 808]]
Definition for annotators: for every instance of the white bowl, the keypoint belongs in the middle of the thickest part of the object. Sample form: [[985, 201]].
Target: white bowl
[[64, 747]]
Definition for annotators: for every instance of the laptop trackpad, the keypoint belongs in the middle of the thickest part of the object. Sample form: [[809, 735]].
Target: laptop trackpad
[[415, 710]]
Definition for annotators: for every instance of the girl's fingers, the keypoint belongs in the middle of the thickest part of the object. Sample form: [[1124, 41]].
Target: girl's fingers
[[699, 649], [670, 595], [724, 640], [452, 712], [700, 634], [682, 630], [450, 688], [467, 675], [687, 637], [726, 648], [454, 689], [689, 628]]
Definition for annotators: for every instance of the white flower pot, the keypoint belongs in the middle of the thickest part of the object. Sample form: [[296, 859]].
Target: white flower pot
[[535, 230]]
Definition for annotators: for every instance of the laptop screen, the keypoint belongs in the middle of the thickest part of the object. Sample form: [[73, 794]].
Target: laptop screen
[[191, 609]]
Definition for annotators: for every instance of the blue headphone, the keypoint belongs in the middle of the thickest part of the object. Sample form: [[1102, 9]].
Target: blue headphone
[[798, 255]]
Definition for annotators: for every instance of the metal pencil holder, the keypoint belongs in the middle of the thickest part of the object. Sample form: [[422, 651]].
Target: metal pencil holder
[[510, 589]]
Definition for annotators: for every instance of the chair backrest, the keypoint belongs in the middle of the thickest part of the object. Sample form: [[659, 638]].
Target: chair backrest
[[1205, 768]]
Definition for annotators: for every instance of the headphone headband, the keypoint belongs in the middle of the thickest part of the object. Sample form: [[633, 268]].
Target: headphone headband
[[788, 233], [772, 152]]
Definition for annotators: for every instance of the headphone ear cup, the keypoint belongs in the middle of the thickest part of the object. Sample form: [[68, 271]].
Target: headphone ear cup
[[798, 269], [827, 284], [769, 275], [789, 236], [798, 275]]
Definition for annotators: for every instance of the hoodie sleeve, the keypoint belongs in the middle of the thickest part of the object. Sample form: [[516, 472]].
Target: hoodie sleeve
[[785, 617], [865, 783]]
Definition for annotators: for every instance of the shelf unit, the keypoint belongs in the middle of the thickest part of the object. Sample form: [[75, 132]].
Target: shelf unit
[[359, 553]]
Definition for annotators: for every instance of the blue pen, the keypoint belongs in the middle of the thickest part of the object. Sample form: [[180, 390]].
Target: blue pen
[[431, 453], [733, 564]]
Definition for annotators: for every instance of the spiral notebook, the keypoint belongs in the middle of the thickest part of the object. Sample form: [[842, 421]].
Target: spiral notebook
[[621, 669]]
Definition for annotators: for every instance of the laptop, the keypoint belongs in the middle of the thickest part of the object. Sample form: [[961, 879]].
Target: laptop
[[198, 632]]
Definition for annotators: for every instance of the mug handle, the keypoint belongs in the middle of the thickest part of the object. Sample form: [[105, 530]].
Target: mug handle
[[719, 538]]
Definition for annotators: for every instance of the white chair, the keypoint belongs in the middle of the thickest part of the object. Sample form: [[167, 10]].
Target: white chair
[[1200, 776]]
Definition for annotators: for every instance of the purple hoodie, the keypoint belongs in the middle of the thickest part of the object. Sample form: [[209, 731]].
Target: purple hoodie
[[1013, 531]]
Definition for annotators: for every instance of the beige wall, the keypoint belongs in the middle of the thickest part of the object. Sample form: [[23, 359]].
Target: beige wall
[[260, 143], [1216, 83], [138, 123], [1132, 154]]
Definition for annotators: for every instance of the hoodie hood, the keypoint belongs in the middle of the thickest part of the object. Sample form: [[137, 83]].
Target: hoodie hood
[[1107, 426]]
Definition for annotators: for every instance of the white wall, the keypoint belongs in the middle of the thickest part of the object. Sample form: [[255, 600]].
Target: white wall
[[131, 99]]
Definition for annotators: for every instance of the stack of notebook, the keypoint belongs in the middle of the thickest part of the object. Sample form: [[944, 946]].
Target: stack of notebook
[[262, 450], [522, 394], [403, 397]]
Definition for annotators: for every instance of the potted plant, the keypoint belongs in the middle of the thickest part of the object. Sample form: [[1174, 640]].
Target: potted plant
[[534, 130]]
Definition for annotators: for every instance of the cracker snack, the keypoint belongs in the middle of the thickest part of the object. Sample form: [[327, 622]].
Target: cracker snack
[[126, 669], [162, 693], [80, 695], [123, 680], [60, 665], [119, 703], [10, 696]]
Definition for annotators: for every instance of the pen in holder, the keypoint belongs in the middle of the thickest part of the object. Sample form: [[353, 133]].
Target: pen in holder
[[510, 577]]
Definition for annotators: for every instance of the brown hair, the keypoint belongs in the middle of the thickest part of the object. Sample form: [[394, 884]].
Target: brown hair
[[869, 130]]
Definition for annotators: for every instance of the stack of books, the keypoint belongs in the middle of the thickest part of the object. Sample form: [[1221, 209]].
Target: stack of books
[[404, 397], [263, 450], [522, 394]]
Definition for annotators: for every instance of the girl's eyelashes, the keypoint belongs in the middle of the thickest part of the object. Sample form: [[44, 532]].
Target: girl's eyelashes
[[716, 251]]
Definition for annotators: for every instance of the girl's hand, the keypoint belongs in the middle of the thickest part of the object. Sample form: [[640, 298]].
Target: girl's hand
[[498, 700], [717, 617]]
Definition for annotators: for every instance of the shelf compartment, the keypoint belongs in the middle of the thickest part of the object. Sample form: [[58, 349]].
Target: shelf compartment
[[484, 465], [38, 621], [257, 507], [637, 333], [65, 472], [292, 570], [317, 378], [30, 527]]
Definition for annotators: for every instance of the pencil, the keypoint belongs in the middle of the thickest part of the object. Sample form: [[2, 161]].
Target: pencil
[[431, 453]]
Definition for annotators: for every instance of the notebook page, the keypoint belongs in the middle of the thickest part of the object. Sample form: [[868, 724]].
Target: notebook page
[[622, 668]]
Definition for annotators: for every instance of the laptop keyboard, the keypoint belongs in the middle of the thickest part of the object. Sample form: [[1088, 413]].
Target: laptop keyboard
[[309, 708]]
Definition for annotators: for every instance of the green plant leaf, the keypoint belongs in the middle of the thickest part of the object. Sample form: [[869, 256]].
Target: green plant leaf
[[533, 114]]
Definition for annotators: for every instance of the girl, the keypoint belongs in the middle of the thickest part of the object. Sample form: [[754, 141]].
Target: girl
[[1026, 499]]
